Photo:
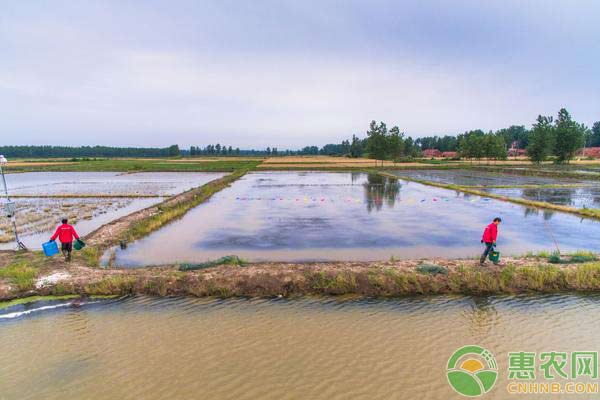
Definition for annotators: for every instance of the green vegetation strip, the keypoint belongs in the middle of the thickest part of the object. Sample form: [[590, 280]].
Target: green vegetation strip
[[33, 299], [117, 165], [586, 212]]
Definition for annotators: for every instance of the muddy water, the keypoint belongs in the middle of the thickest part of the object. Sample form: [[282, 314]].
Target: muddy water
[[143, 348], [481, 178], [343, 216]]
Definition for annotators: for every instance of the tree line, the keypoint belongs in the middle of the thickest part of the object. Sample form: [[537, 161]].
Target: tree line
[[87, 151], [558, 138]]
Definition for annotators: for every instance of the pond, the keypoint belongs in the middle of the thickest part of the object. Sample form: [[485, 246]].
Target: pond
[[144, 348], [581, 197], [480, 178], [301, 216]]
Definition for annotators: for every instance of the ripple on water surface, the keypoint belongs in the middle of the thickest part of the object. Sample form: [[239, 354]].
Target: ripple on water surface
[[314, 348]]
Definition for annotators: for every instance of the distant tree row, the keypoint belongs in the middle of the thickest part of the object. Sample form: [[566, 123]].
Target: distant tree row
[[87, 151], [560, 139], [477, 144], [212, 150]]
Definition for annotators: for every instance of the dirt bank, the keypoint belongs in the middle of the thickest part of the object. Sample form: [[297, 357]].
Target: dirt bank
[[398, 278]]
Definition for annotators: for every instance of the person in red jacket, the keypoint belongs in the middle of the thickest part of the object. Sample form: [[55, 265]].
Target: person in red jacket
[[65, 234], [490, 234]]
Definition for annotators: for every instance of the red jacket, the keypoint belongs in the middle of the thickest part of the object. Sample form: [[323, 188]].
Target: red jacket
[[65, 233], [490, 233]]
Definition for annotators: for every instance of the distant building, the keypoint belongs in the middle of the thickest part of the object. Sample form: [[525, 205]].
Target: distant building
[[590, 152], [449, 154], [514, 150], [429, 153]]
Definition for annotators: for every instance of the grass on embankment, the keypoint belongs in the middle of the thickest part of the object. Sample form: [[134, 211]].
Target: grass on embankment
[[585, 212], [373, 280], [23, 268], [139, 165]]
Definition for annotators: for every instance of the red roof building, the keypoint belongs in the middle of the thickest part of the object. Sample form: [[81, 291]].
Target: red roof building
[[449, 154], [431, 153], [590, 152]]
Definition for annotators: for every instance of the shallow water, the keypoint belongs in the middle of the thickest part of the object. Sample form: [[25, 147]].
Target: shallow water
[[588, 197], [106, 183], [296, 216], [105, 211], [479, 178], [142, 348], [38, 217]]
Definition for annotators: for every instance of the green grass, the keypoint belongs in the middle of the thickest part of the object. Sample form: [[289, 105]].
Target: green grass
[[20, 274], [140, 165], [431, 269], [227, 260], [91, 255], [33, 299]]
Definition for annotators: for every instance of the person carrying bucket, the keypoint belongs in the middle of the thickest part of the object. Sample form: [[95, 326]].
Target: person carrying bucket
[[490, 234], [65, 234]]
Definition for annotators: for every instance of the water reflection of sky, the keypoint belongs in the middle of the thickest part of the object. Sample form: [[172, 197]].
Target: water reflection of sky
[[294, 216]]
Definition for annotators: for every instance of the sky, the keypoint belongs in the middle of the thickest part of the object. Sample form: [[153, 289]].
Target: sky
[[287, 74]]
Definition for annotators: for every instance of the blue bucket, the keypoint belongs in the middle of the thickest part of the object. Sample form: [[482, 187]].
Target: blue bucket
[[50, 248]]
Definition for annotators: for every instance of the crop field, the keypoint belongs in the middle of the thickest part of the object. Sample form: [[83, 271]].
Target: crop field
[[87, 199]]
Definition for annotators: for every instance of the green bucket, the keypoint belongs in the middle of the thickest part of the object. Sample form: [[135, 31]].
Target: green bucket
[[495, 256], [80, 244]]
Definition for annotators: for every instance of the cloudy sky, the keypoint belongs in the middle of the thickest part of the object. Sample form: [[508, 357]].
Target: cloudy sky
[[288, 73]]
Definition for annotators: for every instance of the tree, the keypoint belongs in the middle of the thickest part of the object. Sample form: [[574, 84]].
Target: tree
[[541, 139], [377, 141], [355, 147], [218, 149], [396, 143], [494, 146], [409, 147], [515, 133], [174, 150], [569, 137], [594, 139], [471, 144]]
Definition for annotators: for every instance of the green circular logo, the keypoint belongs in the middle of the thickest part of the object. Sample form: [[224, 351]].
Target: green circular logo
[[472, 371]]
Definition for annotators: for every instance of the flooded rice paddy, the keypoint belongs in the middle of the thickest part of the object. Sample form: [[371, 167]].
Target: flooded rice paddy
[[481, 178], [37, 217], [142, 348], [297, 216], [581, 197], [107, 183]]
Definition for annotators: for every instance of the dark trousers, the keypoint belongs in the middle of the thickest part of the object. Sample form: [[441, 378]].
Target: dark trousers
[[489, 246], [67, 248]]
